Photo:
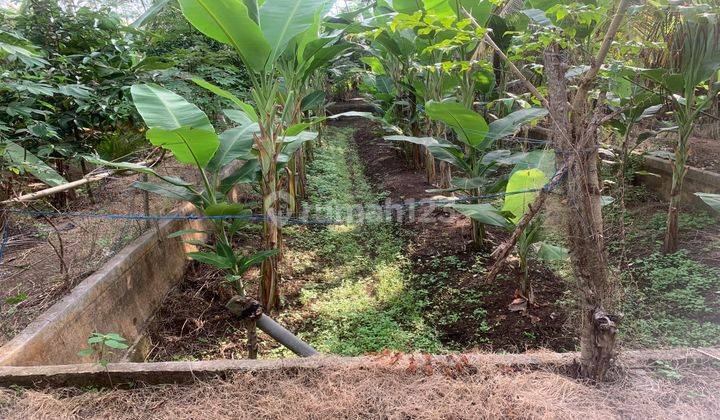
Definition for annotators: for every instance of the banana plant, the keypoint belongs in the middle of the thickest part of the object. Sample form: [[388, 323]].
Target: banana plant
[[531, 239], [630, 104], [426, 50], [695, 53], [307, 55], [261, 34], [477, 159], [183, 129]]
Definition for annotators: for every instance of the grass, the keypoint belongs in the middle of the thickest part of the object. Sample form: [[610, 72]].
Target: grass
[[358, 298]]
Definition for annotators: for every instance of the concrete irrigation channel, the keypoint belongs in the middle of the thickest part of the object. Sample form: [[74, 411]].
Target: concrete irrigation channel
[[657, 177]]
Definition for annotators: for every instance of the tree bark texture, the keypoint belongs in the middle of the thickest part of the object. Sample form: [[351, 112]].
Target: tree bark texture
[[577, 141]]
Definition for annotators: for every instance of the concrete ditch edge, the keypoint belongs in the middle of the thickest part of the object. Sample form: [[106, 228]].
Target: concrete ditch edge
[[188, 372], [121, 296], [696, 180]]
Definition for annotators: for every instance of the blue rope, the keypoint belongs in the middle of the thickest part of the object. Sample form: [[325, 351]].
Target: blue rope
[[253, 217]]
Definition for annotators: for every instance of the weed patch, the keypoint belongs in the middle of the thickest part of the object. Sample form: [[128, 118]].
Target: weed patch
[[671, 300], [360, 300]]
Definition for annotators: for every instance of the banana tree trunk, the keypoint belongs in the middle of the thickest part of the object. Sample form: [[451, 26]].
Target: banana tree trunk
[[477, 229], [269, 290], [445, 169], [429, 166], [445, 175], [269, 285], [478, 232], [682, 151], [301, 186]]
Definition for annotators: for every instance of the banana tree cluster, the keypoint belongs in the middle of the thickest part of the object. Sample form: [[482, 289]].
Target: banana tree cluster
[[432, 53], [185, 130], [422, 52], [477, 156], [281, 45]]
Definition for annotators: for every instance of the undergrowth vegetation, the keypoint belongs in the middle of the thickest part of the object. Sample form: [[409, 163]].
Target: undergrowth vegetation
[[671, 300], [520, 122], [359, 298]]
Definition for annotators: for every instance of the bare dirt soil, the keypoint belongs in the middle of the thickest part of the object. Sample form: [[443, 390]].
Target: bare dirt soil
[[382, 391], [463, 292], [30, 271]]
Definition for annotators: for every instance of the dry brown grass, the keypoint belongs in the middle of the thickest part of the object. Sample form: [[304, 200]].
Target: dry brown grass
[[378, 392]]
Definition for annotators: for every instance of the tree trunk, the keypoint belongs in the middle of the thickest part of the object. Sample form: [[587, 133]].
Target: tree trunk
[[444, 168], [429, 166], [269, 285], [576, 130], [682, 151], [477, 228]]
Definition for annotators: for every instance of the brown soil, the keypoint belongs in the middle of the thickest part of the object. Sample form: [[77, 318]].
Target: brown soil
[[193, 323], [381, 391], [448, 234], [30, 265]]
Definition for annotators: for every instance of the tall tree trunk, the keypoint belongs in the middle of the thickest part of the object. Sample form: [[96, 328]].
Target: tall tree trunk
[[576, 130]]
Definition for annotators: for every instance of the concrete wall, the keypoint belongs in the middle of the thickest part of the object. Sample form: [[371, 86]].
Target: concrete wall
[[119, 297], [696, 180]]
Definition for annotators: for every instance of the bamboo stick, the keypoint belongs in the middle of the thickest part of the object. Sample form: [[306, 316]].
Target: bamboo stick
[[64, 187]]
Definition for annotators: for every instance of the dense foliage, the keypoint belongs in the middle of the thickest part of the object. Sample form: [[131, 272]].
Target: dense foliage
[[489, 98]]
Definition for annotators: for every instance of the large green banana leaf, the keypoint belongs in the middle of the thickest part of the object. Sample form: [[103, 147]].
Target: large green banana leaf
[[189, 145], [234, 143], [161, 108], [176, 124], [282, 20], [519, 192], [229, 22], [510, 124], [470, 126]]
